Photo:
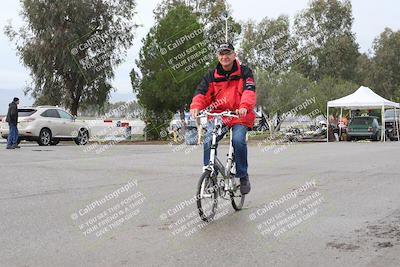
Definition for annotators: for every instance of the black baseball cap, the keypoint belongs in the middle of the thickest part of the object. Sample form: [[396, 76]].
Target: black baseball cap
[[15, 99], [225, 47]]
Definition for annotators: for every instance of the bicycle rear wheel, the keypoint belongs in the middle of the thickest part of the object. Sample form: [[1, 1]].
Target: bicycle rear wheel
[[237, 199], [207, 196]]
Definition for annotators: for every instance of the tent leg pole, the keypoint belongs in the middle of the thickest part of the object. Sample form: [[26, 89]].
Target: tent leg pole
[[383, 135], [382, 124], [397, 124], [340, 128], [327, 123]]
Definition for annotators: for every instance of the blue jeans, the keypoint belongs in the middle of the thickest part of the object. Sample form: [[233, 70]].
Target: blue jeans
[[12, 135], [239, 145]]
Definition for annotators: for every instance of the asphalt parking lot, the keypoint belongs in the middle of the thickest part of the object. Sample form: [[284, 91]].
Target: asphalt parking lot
[[131, 205]]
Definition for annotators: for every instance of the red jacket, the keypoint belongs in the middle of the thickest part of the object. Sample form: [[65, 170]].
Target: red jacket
[[223, 91]]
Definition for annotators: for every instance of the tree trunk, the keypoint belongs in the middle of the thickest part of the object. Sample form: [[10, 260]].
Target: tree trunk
[[75, 90], [271, 127], [278, 126], [74, 107]]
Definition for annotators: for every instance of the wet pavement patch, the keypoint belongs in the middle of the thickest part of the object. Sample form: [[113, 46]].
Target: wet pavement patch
[[381, 234], [343, 246], [384, 244]]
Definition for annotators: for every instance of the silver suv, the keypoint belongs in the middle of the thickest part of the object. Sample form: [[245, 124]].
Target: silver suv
[[48, 125]]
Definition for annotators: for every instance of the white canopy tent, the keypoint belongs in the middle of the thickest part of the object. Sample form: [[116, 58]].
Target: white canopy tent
[[363, 98]]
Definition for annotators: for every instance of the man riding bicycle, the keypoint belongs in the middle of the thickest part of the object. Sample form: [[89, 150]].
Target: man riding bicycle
[[230, 86]]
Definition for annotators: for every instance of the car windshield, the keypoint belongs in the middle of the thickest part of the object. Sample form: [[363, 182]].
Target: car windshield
[[26, 112], [362, 121]]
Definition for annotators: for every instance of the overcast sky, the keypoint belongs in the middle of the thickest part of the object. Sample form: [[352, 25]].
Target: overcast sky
[[370, 19]]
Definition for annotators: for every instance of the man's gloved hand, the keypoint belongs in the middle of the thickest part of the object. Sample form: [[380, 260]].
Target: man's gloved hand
[[241, 112], [194, 113]]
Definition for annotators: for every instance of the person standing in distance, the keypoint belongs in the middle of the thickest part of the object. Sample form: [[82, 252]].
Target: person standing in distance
[[12, 119]]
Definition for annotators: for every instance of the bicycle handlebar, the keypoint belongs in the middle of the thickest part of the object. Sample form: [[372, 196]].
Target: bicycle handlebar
[[205, 113]]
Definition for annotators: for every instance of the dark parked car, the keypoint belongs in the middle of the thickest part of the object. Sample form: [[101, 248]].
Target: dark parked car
[[364, 127], [391, 124]]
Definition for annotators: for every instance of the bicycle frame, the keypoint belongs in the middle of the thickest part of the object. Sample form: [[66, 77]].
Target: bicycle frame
[[215, 164], [225, 186]]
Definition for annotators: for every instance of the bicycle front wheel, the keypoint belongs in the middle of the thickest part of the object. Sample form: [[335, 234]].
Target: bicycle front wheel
[[207, 196]]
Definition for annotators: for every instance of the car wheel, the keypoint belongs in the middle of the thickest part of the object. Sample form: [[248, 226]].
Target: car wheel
[[44, 137], [83, 137], [54, 142]]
